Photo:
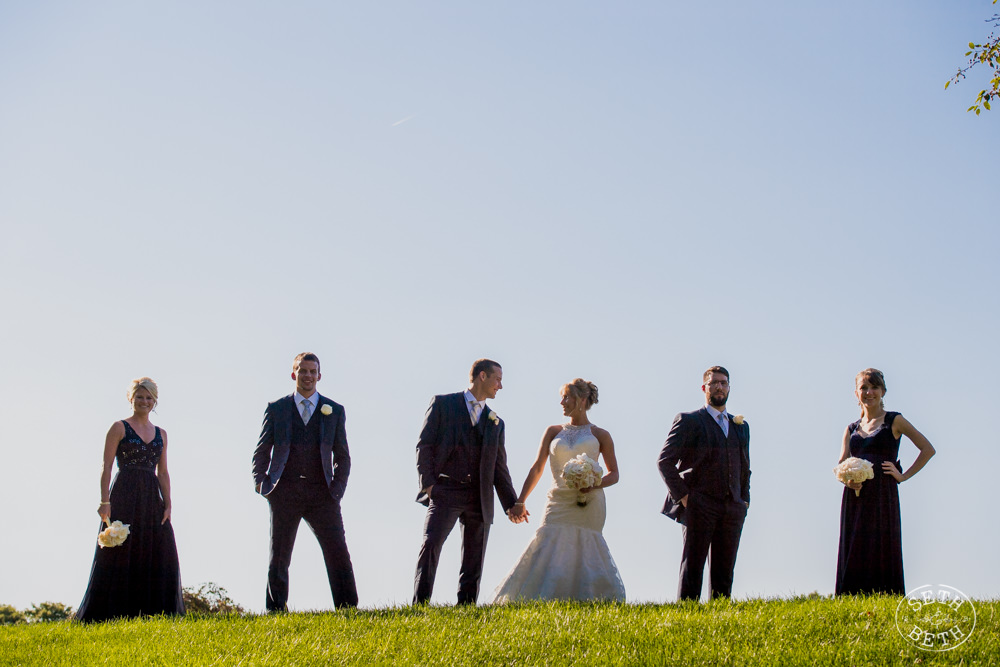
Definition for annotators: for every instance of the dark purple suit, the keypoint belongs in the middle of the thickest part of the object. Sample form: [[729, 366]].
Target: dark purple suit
[[447, 452], [312, 492], [700, 461]]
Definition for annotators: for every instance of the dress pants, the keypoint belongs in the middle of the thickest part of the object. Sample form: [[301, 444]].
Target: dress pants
[[291, 501], [448, 505], [712, 530]]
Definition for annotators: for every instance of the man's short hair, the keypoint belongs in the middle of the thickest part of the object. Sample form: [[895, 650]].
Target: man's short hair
[[304, 356], [707, 375], [480, 365]]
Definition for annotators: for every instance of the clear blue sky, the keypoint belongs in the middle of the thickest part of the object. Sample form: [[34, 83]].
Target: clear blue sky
[[627, 192]]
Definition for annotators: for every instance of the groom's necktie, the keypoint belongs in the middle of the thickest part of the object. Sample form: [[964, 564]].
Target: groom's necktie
[[306, 411], [476, 409], [724, 423]]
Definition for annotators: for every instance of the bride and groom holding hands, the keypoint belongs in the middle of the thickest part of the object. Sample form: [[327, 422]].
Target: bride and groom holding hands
[[461, 459]]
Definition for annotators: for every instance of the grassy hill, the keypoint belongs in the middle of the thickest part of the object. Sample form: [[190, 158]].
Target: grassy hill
[[840, 631]]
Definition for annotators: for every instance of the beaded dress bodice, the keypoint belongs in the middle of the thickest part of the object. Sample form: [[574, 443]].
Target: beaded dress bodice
[[134, 452]]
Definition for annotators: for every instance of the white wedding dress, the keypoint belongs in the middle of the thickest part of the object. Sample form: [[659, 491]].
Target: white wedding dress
[[568, 558]]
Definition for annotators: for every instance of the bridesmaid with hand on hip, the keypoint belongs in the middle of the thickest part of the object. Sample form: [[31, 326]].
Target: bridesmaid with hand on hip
[[871, 542]]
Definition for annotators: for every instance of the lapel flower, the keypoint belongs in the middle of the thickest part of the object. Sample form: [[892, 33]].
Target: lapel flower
[[738, 420], [327, 409], [493, 418]]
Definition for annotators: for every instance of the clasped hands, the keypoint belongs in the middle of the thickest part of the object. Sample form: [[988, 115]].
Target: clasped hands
[[518, 513]]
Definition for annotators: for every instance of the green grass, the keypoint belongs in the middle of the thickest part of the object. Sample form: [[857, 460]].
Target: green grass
[[807, 631]]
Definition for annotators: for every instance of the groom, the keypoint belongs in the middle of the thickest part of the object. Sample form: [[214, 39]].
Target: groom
[[301, 465], [706, 465], [460, 459]]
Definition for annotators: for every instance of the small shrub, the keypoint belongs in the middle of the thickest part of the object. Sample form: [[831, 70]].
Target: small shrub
[[48, 611], [812, 596], [210, 599], [11, 616]]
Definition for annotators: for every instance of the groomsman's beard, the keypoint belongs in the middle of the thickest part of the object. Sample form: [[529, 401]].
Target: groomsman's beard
[[718, 401]]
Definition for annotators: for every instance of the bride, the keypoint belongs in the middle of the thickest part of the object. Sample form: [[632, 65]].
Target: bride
[[568, 558]]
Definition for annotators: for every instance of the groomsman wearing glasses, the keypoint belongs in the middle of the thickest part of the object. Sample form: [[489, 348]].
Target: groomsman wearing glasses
[[706, 466], [301, 465], [460, 460]]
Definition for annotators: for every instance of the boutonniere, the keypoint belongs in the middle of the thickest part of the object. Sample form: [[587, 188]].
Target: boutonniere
[[327, 409], [493, 418], [738, 420]]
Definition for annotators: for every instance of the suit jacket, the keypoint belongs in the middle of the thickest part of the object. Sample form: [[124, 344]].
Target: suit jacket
[[692, 459], [446, 425], [275, 440]]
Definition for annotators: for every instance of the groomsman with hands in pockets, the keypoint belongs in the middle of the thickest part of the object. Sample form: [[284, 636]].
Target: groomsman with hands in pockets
[[301, 465], [706, 466]]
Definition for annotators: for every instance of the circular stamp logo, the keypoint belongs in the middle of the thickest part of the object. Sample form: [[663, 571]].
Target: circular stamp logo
[[936, 618]]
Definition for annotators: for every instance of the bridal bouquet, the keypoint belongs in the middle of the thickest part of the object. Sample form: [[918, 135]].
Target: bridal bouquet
[[113, 535], [854, 470], [582, 472]]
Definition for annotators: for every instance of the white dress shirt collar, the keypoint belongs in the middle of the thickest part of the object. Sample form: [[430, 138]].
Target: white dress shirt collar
[[299, 398], [715, 413], [469, 400]]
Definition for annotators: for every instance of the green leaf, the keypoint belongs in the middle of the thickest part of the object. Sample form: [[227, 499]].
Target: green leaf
[[977, 112], [971, 45], [946, 84], [987, 105]]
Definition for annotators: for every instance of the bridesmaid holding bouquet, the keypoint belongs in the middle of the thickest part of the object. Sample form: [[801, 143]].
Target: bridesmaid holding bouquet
[[871, 540], [139, 575]]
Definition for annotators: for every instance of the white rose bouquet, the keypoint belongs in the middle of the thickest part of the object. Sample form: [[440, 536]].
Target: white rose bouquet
[[582, 472], [854, 470], [113, 535]]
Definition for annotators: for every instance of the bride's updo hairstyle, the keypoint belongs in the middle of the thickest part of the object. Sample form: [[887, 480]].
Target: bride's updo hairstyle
[[582, 390], [144, 383]]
